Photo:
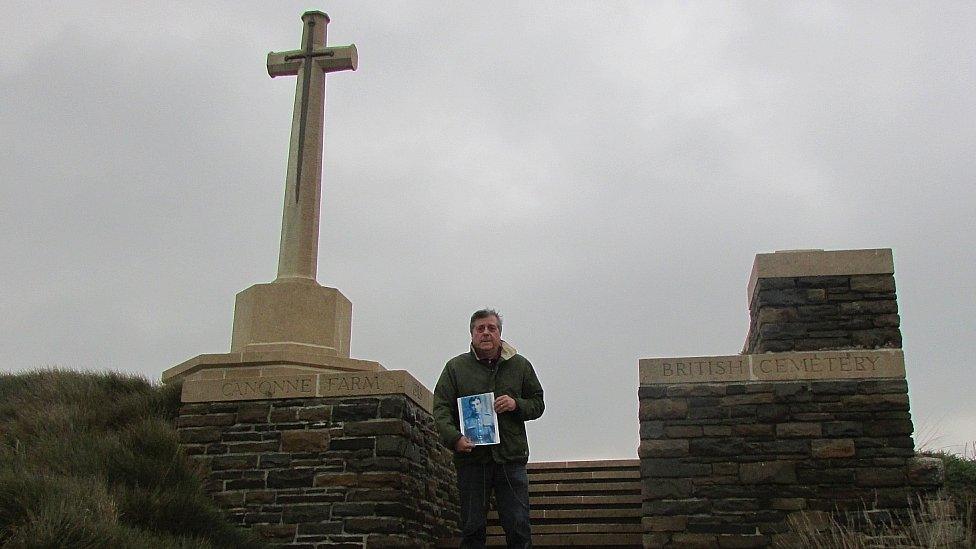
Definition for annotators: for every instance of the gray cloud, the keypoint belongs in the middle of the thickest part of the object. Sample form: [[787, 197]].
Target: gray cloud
[[603, 174]]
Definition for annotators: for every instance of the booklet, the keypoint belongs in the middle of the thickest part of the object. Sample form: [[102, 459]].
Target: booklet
[[476, 414]]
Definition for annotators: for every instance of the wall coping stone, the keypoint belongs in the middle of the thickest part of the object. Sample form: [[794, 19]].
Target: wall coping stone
[[793, 263], [310, 384], [279, 354], [818, 365]]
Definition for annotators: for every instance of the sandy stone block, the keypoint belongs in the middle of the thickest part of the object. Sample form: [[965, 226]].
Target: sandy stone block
[[663, 448], [768, 472], [725, 469], [382, 480], [683, 431], [832, 448], [664, 408], [873, 283], [887, 402], [199, 435], [696, 390], [694, 541], [336, 479], [375, 427], [257, 413], [754, 429], [278, 532], [207, 420], [880, 477], [315, 413], [658, 488], [283, 371], [799, 430], [259, 496], [664, 524], [788, 504], [241, 373], [777, 315], [206, 374], [655, 540], [305, 441], [755, 398]]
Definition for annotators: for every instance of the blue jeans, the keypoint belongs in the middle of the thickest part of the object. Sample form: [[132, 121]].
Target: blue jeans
[[510, 484]]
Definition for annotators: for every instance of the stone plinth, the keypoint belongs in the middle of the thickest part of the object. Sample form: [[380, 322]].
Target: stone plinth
[[733, 447], [292, 311], [356, 463]]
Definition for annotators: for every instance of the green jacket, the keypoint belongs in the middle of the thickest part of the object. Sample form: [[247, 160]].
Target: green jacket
[[513, 375]]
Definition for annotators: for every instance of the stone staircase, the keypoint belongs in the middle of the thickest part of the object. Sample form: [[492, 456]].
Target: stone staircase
[[580, 504]]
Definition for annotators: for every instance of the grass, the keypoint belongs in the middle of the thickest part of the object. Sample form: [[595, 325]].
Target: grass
[[92, 460]]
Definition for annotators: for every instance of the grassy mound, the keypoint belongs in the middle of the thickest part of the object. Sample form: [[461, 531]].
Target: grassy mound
[[91, 460]]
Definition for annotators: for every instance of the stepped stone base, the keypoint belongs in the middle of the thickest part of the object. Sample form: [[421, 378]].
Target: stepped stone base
[[590, 504], [357, 471]]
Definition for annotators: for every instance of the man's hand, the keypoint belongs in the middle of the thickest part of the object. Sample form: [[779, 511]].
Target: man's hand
[[463, 445], [505, 403]]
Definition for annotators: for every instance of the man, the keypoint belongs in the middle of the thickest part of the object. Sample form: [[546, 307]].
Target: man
[[492, 365]]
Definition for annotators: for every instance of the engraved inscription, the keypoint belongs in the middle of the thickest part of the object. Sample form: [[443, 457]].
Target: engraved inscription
[[248, 388], [360, 384], [702, 368], [266, 388], [818, 365], [854, 364]]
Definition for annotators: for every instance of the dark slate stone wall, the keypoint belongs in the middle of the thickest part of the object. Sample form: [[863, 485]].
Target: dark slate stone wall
[[726, 464], [823, 312], [317, 472]]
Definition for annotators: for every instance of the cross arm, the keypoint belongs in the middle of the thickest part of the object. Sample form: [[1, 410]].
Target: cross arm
[[331, 59]]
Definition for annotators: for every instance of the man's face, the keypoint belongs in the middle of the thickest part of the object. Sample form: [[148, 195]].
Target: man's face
[[486, 338]]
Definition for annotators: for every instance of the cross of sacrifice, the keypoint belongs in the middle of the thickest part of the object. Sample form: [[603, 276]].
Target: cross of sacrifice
[[298, 256]]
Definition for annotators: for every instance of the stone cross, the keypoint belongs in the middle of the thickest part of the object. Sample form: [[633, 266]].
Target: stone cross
[[298, 256]]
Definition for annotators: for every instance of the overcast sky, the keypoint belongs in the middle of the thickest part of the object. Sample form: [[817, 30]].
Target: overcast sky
[[602, 173]]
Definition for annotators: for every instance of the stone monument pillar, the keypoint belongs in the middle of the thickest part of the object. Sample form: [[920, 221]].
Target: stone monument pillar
[[812, 419], [301, 442]]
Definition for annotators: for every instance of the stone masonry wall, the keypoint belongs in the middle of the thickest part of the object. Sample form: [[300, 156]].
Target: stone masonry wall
[[726, 464], [315, 472], [823, 312]]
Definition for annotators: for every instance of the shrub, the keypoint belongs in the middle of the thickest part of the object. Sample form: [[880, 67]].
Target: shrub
[[92, 460]]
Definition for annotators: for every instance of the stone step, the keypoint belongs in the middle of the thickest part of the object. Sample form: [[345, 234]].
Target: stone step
[[585, 501], [592, 541], [542, 516], [573, 528], [577, 466], [580, 504], [583, 476], [584, 487]]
